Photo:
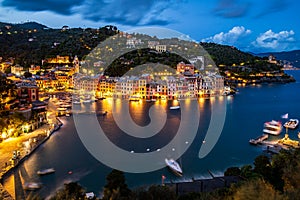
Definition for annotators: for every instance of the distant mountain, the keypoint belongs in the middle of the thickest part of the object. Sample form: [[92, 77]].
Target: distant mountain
[[291, 56]]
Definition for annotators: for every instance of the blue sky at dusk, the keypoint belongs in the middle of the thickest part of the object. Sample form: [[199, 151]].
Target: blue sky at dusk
[[250, 25]]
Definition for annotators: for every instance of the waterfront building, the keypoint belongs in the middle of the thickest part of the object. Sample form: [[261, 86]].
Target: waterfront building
[[106, 86], [86, 84], [171, 85]]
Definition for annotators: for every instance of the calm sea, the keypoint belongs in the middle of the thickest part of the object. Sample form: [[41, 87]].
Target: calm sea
[[245, 114]]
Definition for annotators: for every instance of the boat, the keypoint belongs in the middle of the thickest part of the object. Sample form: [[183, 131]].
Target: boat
[[46, 171], [272, 127], [291, 124], [90, 195], [102, 113], [32, 186], [259, 139], [174, 166], [174, 107]]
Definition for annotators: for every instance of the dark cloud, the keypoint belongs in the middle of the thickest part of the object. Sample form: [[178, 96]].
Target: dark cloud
[[231, 8], [125, 12], [58, 6]]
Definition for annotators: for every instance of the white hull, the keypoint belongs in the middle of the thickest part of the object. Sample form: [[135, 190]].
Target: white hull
[[174, 107], [32, 186], [46, 171], [273, 127], [174, 166], [291, 124]]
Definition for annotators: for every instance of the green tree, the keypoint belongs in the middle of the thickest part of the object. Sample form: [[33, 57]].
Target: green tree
[[257, 189], [116, 187], [232, 171], [71, 191], [262, 166]]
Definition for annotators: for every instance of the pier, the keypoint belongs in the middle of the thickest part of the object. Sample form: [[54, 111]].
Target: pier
[[289, 142], [259, 139]]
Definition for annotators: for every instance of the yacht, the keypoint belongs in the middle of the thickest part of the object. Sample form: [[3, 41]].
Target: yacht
[[291, 124], [272, 127], [46, 171], [174, 107], [174, 166]]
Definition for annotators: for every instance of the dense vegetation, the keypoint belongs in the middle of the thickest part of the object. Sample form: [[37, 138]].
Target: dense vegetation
[[30, 43], [228, 55]]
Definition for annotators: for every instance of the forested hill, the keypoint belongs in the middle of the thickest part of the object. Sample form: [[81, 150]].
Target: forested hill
[[31, 42], [228, 55]]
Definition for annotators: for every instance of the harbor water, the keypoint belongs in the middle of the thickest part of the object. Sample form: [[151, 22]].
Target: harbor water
[[246, 113]]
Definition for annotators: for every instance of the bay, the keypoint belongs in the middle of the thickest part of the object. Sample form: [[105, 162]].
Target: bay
[[245, 114]]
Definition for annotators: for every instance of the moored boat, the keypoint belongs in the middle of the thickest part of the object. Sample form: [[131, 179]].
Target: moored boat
[[174, 107], [291, 124], [174, 166], [46, 171], [272, 127], [32, 186]]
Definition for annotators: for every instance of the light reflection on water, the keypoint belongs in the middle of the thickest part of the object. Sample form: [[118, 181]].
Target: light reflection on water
[[65, 152]]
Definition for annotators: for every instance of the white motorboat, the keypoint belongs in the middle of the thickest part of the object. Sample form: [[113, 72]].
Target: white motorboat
[[174, 107], [32, 186], [272, 127], [174, 166], [46, 171], [291, 124]]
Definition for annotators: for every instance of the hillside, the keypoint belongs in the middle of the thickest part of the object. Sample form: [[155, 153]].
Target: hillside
[[291, 56], [228, 55], [30, 43]]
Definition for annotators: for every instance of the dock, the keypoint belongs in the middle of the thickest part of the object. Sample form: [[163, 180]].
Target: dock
[[289, 142], [259, 139]]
